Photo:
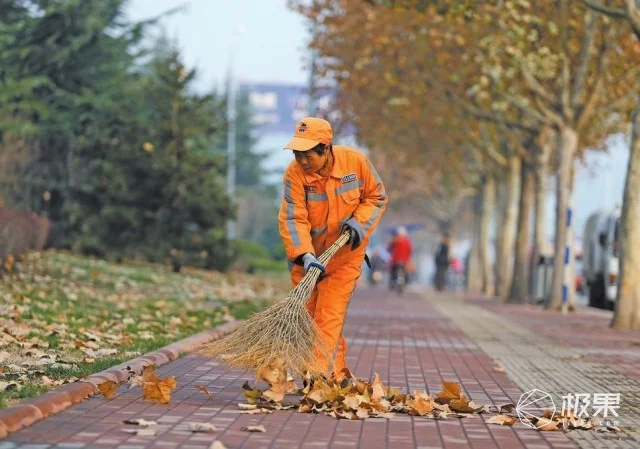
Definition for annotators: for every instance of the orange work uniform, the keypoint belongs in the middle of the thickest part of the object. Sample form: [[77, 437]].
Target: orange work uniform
[[313, 211]]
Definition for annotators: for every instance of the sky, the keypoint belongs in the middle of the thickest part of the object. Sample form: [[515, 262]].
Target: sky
[[271, 48]]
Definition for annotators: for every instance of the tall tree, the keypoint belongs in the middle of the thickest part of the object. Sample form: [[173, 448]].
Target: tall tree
[[627, 312]]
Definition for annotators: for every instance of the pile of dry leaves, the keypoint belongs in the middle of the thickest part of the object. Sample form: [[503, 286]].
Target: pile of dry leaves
[[352, 398]]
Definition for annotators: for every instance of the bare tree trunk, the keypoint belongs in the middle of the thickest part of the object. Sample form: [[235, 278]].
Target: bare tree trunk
[[567, 146], [507, 235], [520, 285], [500, 214], [546, 140], [474, 269], [627, 314], [488, 206]]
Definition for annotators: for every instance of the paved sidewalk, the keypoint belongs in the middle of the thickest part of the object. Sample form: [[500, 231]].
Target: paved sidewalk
[[411, 342]]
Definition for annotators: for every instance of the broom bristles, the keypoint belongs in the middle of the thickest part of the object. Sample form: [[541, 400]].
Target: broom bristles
[[285, 333]]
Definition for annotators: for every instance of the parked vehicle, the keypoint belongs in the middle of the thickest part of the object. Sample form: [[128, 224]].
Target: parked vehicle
[[601, 257]]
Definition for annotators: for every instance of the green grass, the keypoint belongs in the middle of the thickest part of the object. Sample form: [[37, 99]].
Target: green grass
[[60, 304]]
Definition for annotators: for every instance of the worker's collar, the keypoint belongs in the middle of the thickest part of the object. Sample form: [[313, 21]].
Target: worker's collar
[[337, 171]]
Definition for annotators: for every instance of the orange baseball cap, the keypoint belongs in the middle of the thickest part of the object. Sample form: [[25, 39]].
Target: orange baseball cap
[[309, 132]]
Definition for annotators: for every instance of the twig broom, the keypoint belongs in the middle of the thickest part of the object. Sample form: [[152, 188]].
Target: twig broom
[[284, 334]]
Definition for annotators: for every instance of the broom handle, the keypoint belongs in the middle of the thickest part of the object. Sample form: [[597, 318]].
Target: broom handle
[[333, 249]]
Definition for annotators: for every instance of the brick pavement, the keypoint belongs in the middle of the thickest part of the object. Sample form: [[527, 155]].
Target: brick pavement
[[559, 354], [411, 342]]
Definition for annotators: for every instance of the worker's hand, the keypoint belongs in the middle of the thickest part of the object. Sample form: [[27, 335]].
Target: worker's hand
[[355, 232], [310, 260]]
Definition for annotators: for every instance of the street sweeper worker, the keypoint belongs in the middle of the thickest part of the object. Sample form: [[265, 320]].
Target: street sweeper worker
[[328, 189]]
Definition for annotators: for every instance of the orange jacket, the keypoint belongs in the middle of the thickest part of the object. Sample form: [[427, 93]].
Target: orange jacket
[[314, 208]]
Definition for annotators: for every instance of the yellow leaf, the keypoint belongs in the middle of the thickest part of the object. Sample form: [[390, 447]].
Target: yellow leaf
[[450, 390], [251, 394], [420, 406], [464, 405], [156, 389], [108, 388]]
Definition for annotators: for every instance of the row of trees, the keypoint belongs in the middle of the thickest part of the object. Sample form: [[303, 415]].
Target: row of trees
[[107, 136], [484, 103]]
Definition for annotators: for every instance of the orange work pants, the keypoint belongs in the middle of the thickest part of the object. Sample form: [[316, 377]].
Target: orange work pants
[[329, 301]]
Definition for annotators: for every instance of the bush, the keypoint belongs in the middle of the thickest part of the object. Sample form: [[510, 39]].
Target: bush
[[248, 249], [252, 257]]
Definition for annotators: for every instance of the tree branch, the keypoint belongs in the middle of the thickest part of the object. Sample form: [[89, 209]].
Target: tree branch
[[631, 14], [534, 85], [584, 114], [612, 12], [475, 112], [585, 58], [524, 108]]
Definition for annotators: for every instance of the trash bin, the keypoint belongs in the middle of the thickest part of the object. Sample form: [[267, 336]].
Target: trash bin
[[542, 276]]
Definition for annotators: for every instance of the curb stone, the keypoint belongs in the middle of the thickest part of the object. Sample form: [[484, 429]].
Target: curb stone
[[27, 412]]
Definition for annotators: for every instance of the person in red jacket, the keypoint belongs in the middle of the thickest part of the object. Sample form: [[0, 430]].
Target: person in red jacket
[[400, 249]]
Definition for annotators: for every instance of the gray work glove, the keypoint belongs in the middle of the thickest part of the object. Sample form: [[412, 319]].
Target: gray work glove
[[309, 260], [355, 232]]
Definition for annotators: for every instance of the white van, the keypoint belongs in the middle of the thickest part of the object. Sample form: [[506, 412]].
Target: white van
[[601, 257]]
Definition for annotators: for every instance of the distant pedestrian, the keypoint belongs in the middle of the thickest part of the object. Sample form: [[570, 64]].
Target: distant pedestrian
[[442, 262], [401, 250]]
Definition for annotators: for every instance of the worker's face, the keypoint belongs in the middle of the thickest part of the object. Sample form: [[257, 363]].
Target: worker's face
[[310, 161]]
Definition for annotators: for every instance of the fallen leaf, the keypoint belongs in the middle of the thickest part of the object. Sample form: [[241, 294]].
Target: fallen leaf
[[252, 394], [362, 413], [108, 388], [247, 406], [8, 386], [141, 432], [614, 428], [156, 389], [140, 422], [202, 427], [450, 390], [378, 388], [274, 373], [283, 407], [547, 425], [464, 405], [580, 423], [256, 411], [498, 369], [260, 428], [505, 408], [389, 415], [318, 395], [217, 445], [205, 390], [352, 401], [420, 406], [274, 396], [346, 374], [503, 420]]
